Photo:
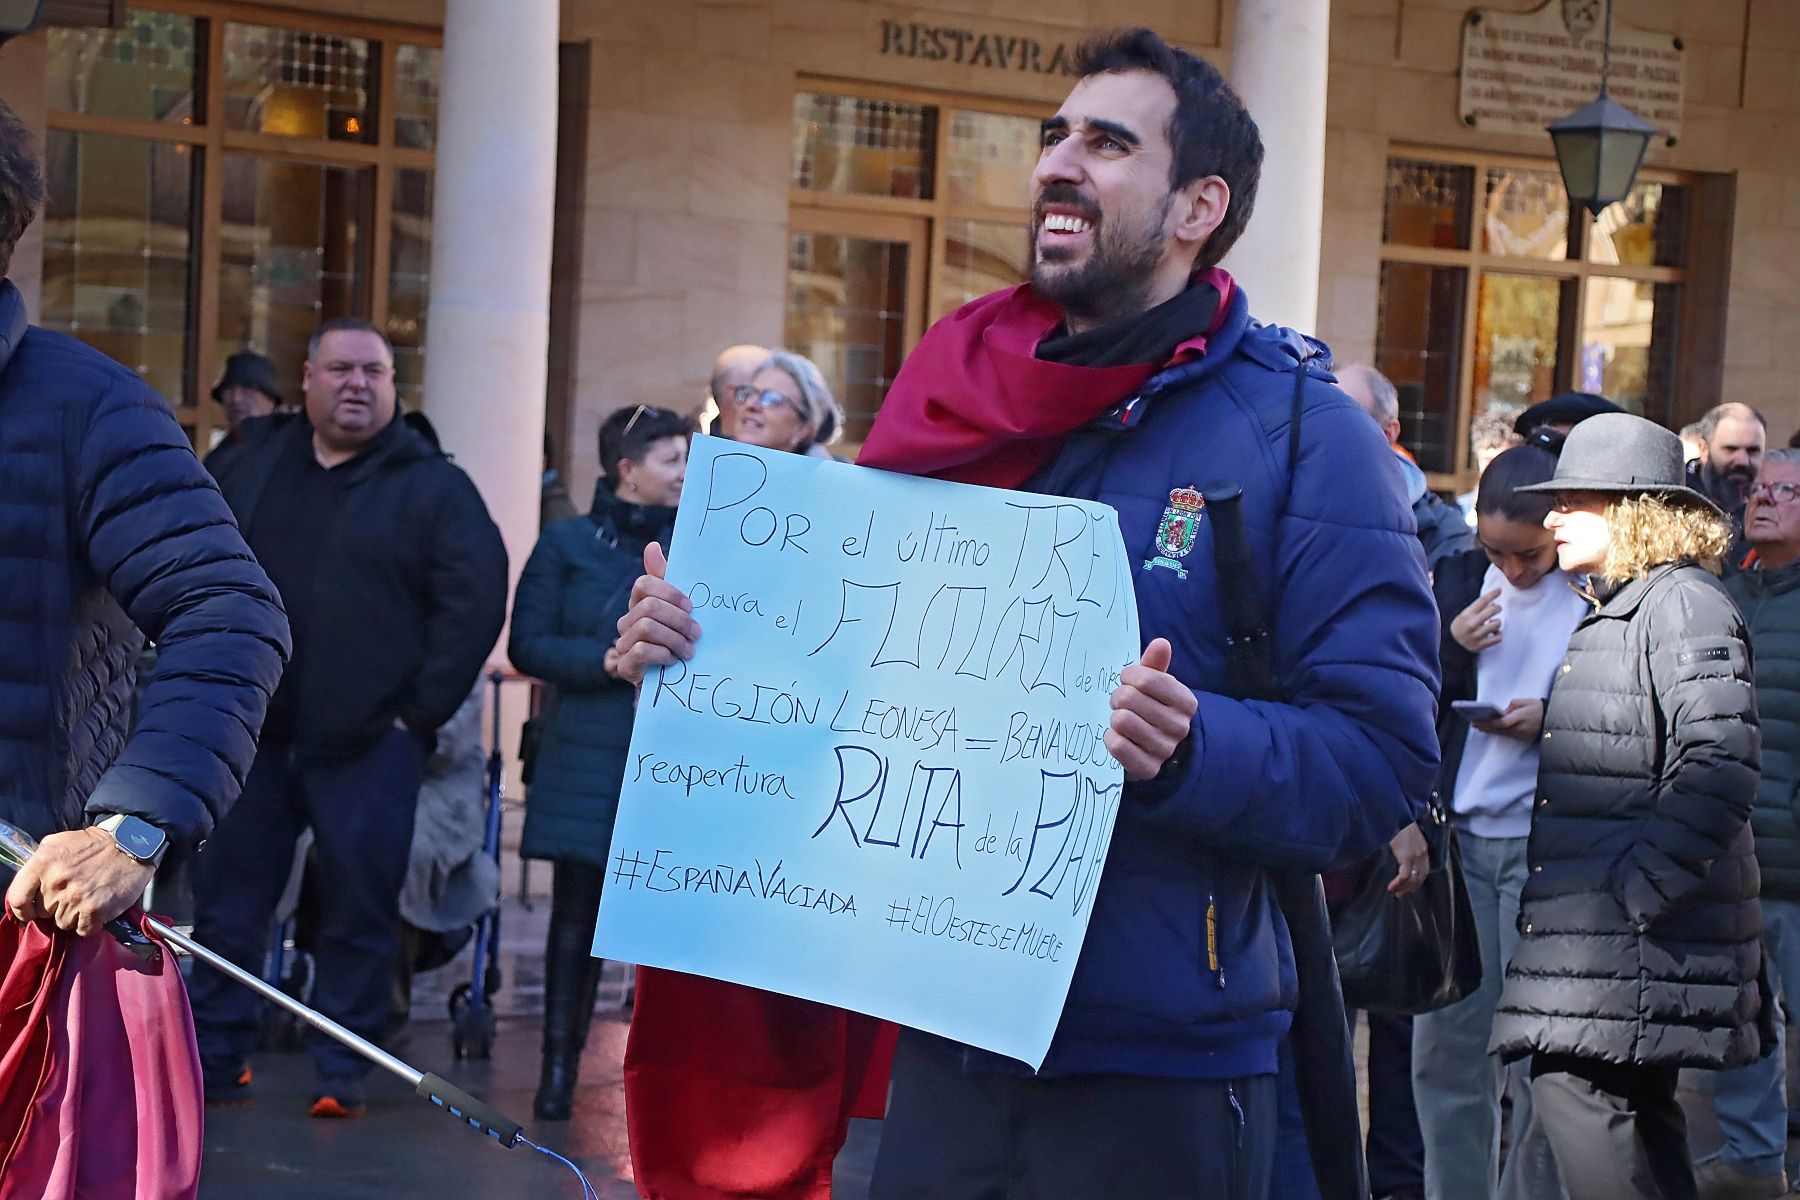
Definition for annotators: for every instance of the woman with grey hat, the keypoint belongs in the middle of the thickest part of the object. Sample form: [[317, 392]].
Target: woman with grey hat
[[1639, 949]]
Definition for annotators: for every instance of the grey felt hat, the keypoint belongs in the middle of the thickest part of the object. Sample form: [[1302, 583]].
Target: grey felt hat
[[1617, 452]]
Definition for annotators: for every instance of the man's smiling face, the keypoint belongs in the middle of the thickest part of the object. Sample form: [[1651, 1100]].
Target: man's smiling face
[[1102, 195]]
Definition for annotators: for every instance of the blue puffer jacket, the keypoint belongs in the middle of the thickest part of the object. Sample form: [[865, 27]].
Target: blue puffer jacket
[[109, 526], [1328, 777]]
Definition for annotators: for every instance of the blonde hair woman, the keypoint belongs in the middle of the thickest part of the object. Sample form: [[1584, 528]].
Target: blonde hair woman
[[1639, 948]]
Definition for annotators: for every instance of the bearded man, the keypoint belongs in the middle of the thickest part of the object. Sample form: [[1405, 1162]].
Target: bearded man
[[1128, 371]]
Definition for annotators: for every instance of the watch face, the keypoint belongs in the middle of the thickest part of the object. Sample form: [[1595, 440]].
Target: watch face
[[139, 838]]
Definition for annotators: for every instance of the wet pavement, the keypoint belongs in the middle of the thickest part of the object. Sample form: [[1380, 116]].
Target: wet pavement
[[272, 1150]]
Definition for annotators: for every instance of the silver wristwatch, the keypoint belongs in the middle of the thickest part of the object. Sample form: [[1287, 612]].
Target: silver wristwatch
[[136, 837]]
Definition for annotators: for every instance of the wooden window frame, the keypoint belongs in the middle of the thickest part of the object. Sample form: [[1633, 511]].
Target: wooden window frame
[[1477, 262], [840, 212], [200, 417]]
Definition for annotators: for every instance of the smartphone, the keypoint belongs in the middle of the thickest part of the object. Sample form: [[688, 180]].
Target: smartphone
[[1478, 710]]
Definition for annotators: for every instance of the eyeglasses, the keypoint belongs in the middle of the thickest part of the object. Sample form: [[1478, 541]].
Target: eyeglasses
[[642, 410], [766, 398], [1773, 493]]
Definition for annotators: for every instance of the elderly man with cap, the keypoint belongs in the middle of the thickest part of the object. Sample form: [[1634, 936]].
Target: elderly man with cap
[[247, 389], [731, 371]]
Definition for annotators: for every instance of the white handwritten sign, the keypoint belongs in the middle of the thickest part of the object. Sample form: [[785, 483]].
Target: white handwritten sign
[[882, 781], [1521, 71]]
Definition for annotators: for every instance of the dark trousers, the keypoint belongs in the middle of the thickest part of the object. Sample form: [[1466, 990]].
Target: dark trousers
[[1616, 1131], [361, 813], [1396, 1148], [1015, 1137]]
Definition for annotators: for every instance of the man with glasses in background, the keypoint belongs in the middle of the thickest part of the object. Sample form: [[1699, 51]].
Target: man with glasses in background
[[731, 371], [1752, 1100]]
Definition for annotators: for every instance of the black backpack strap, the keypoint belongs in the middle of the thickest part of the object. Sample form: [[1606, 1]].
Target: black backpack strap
[[1294, 424], [1322, 1052]]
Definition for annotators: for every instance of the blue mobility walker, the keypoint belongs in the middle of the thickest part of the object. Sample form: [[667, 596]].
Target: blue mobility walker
[[473, 1021]]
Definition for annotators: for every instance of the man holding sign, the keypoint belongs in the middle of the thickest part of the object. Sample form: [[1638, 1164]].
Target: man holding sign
[[1129, 372]]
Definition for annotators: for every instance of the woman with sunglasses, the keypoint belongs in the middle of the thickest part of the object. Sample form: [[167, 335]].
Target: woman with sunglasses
[[1639, 950], [788, 406], [574, 589]]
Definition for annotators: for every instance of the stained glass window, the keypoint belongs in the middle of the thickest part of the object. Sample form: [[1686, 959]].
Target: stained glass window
[[1525, 214], [117, 251], [298, 84], [416, 71], [144, 70], [1428, 203], [989, 157], [409, 279], [846, 312], [862, 146]]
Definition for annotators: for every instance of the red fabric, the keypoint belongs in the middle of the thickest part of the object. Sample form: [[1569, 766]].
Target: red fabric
[[973, 403], [731, 1092], [100, 1093]]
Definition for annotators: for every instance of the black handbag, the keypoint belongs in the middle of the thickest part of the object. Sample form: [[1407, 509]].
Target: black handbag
[[1410, 954]]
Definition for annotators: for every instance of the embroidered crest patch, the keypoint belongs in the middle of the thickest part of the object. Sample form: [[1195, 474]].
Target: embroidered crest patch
[[1178, 530]]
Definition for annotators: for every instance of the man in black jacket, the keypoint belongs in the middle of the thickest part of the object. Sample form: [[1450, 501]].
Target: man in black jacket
[[395, 580], [110, 530]]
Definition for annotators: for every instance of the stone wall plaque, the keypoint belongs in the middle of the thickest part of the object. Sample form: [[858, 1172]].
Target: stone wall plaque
[[1521, 71]]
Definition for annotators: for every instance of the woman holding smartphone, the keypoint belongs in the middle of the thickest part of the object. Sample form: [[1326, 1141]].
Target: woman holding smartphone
[[1639, 949], [1508, 611]]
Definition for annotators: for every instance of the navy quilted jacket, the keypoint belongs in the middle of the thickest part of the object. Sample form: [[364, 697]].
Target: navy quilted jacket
[[108, 527], [1188, 969]]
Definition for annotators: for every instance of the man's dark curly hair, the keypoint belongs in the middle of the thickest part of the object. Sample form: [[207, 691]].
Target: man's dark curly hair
[[21, 183], [1211, 133]]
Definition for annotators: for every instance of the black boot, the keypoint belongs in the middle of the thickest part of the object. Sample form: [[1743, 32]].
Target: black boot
[[555, 1100], [571, 978]]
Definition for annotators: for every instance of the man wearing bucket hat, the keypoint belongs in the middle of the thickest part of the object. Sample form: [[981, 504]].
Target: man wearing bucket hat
[[247, 389], [1639, 949]]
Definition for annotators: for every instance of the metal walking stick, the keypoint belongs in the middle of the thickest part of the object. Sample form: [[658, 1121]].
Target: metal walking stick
[[16, 849]]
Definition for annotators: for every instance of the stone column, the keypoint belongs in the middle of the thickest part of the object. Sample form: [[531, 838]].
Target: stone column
[[488, 323], [1279, 60]]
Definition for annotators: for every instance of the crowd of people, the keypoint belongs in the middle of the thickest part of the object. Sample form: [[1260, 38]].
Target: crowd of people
[[1592, 660]]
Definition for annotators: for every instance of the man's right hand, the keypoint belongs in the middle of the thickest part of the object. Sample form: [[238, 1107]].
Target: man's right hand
[[1477, 627], [658, 628]]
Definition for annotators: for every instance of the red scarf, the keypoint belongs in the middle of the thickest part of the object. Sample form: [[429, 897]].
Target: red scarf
[[975, 404]]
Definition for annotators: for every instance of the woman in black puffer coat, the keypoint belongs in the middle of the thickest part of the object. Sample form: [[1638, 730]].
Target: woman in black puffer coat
[[1639, 951]]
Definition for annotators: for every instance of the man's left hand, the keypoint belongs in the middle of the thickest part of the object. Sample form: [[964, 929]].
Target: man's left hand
[[1414, 856], [1152, 713], [80, 880]]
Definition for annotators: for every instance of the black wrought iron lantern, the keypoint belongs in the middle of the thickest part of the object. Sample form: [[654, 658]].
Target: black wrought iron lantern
[[1600, 145]]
